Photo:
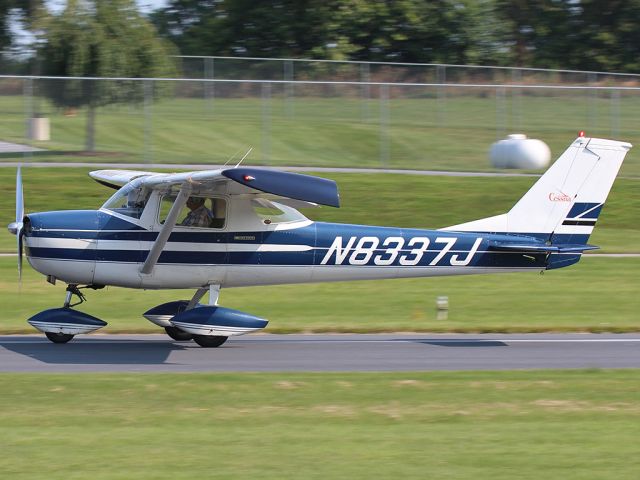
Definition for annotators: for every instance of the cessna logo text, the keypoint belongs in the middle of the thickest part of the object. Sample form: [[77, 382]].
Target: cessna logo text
[[361, 251], [559, 197]]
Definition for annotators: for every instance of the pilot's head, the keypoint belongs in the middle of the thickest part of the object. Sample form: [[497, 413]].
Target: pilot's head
[[195, 202]]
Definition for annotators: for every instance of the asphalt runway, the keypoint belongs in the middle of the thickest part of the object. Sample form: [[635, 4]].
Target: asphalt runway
[[282, 353]]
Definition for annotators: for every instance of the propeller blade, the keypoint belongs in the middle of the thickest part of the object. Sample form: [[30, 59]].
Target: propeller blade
[[19, 224], [19, 198], [16, 227], [19, 237]]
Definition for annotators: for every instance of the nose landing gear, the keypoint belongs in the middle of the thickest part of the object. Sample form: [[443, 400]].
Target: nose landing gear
[[60, 325]]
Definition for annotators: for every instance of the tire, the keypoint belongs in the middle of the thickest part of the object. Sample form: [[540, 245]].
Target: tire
[[177, 334], [209, 341], [58, 337]]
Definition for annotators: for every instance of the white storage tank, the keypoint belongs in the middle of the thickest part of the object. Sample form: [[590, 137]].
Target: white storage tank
[[518, 151]]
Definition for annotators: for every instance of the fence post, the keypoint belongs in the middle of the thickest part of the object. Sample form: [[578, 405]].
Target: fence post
[[516, 100], [441, 79], [593, 103], [501, 113], [266, 122], [365, 91], [148, 120], [289, 89], [209, 87], [615, 113], [28, 113], [385, 148]]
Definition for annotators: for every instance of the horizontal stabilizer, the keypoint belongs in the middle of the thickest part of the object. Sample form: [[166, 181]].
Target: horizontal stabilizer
[[286, 184], [539, 247]]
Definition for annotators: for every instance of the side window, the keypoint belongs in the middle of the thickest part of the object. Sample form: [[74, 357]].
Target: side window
[[199, 212]]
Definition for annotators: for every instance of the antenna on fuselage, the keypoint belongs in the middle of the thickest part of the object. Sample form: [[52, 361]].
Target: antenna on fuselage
[[231, 158], [245, 156]]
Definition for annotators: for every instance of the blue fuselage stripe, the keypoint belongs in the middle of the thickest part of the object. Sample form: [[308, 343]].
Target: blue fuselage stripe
[[318, 244]]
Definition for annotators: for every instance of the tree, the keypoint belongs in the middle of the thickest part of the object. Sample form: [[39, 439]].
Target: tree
[[609, 37], [275, 28], [453, 31], [436, 31], [600, 35], [101, 38], [16, 11]]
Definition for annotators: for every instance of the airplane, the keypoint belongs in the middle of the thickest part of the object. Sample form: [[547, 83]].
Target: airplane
[[251, 233]]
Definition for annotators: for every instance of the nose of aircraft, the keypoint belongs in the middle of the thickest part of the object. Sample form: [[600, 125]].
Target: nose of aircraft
[[13, 228]]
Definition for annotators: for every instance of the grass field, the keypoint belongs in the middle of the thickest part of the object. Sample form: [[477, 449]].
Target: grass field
[[421, 132], [456, 425], [598, 294]]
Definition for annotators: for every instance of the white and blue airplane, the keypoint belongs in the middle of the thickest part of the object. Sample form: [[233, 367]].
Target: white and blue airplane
[[253, 234]]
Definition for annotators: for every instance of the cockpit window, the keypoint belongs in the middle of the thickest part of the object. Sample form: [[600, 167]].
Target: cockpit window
[[274, 212], [199, 211], [130, 200]]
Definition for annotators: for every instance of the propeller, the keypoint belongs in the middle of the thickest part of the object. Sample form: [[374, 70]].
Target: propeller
[[16, 227]]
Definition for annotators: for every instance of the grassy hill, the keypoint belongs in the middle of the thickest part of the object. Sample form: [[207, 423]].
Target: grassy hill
[[415, 129]]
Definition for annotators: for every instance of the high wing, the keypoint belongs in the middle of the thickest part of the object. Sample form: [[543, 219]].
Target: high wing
[[117, 178], [245, 180], [305, 188]]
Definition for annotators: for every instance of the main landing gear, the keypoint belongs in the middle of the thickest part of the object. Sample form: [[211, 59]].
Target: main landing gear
[[178, 335], [60, 325], [208, 325], [165, 314]]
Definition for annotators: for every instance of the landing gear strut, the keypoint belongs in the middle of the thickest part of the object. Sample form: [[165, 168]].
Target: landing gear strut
[[75, 290]]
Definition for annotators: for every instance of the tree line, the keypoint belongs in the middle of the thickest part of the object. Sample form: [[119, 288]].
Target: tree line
[[111, 38], [601, 35]]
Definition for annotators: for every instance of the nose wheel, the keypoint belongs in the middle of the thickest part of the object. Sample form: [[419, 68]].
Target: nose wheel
[[58, 337]]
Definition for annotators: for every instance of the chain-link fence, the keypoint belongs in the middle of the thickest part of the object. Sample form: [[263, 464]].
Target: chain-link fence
[[347, 123], [289, 69]]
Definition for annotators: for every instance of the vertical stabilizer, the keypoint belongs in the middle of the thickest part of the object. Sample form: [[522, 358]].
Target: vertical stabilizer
[[565, 202]]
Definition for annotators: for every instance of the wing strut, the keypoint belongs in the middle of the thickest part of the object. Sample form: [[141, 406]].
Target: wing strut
[[163, 236]]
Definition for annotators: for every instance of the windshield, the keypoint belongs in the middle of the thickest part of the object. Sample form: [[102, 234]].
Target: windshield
[[130, 200]]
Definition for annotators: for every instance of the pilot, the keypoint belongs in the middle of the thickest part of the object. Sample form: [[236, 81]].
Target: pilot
[[199, 216]]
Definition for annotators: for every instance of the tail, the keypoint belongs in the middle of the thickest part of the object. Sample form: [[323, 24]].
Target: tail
[[561, 209]]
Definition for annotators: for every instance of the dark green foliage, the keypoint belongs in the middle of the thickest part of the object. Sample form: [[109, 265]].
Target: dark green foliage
[[569, 34], [279, 28], [584, 34], [408, 30]]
